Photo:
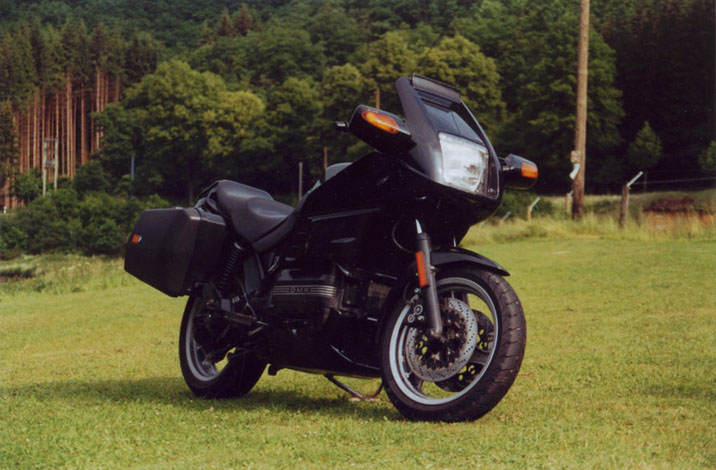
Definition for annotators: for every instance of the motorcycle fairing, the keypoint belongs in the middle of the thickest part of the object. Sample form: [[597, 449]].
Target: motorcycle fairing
[[431, 108]]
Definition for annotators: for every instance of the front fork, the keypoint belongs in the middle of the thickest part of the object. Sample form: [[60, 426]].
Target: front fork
[[426, 280]]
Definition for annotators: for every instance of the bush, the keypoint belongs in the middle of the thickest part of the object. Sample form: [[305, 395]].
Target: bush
[[66, 221], [103, 238], [12, 238], [28, 186], [91, 177], [517, 202]]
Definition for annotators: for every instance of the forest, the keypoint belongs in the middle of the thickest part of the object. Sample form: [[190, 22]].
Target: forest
[[164, 96]]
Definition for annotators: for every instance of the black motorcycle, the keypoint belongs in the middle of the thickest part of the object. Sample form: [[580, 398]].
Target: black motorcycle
[[363, 278]]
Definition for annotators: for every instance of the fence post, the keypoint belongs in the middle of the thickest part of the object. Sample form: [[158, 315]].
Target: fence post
[[625, 205], [625, 199], [530, 207], [567, 202]]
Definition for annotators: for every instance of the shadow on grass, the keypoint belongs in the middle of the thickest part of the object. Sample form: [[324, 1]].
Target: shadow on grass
[[172, 391]]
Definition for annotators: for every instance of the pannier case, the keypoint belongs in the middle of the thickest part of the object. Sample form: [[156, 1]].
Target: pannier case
[[172, 249]]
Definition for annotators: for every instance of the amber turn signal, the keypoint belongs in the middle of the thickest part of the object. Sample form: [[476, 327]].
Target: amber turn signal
[[381, 121], [529, 170]]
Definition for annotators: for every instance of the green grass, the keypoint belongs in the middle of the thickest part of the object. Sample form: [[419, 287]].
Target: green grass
[[618, 374]]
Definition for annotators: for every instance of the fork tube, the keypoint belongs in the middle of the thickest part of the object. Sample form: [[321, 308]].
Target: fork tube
[[427, 282]]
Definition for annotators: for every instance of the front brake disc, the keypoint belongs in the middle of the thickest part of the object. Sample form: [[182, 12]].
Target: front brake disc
[[439, 359]]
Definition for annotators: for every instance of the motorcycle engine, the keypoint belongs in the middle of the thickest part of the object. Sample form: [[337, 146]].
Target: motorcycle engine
[[301, 294], [297, 293]]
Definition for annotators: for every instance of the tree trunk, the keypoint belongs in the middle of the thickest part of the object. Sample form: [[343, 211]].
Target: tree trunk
[[57, 126], [83, 130], [98, 96], [35, 108], [68, 125]]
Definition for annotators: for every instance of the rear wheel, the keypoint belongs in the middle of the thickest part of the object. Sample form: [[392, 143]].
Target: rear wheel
[[464, 374], [212, 366]]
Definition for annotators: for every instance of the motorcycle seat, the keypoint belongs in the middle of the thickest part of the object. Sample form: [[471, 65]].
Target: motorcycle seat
[[253, 213]]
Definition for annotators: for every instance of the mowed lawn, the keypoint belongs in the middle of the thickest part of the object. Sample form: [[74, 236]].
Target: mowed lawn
[[619, 373]]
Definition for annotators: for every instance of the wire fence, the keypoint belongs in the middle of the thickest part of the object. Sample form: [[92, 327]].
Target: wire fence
[[678, 180]]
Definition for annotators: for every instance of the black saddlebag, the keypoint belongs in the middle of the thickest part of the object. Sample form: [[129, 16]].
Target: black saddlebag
[[172, 249]]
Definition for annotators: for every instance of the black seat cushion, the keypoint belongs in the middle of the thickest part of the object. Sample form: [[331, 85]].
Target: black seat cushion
[[253, 213]]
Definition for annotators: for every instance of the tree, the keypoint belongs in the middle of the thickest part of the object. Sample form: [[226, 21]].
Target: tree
[[244, 20], [707, 158], [460, 63], [645, 151], [336, 30], [388, 58], [141, 58], [226, 57], [665, 56], [27, 186], [294, 108], [282, 51], [190, 122], [537, 56], [226, 27], [8, 147], [91, 178]]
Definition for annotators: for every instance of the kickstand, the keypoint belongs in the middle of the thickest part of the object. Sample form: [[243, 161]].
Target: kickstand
[[352, 392]]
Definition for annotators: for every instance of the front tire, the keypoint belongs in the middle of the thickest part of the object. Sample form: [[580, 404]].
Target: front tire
[[210, 369], [463, 378]]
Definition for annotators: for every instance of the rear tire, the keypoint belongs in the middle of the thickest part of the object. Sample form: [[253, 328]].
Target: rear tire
[[419, 374], [232, 374]]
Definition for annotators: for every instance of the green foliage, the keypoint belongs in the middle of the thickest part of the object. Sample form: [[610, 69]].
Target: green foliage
[[645, 151], [707, 158], [65, 221], [515, 65], [226, 57], [336, 31], [293, 111], [536, 53], [517, 202], [27, 186], [281, 52], [121, 140], [12, 239], [388, 58], [461, 63], [189, 122], [142, 56], [91, 177], [8, 147]]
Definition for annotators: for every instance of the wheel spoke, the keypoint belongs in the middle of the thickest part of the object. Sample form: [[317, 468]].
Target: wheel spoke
[[416, 381], [479, 357]]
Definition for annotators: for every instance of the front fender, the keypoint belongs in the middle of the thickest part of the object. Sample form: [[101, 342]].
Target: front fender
[[440, 258]]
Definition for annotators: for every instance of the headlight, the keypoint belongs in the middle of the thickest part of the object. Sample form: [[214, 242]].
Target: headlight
[[465, 163]]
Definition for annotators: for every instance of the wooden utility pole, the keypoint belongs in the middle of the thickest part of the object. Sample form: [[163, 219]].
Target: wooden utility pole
[[580, 128]]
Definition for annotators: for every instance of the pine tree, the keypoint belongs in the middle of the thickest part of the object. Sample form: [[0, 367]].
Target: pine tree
[[8, 147], [226, 27], [244, 21]]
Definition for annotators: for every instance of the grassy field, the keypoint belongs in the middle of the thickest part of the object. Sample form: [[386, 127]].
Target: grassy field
[[619, 374]]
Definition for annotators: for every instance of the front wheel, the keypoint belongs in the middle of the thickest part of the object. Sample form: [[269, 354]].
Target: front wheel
[[466, 372], [212, 365]]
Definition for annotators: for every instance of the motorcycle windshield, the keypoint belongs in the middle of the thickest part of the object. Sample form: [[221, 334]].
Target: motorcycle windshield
[[451, 147]]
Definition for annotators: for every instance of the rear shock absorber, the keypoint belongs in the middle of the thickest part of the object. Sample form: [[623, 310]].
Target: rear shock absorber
[[232, 260]]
